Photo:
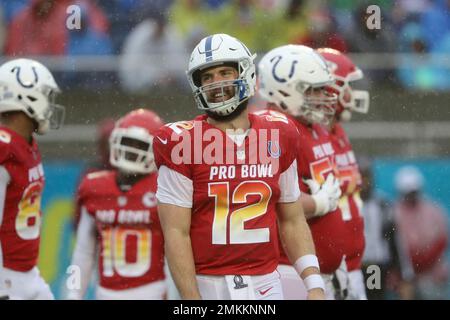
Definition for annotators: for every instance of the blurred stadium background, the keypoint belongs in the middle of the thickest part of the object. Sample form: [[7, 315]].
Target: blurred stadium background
[[133, 53]]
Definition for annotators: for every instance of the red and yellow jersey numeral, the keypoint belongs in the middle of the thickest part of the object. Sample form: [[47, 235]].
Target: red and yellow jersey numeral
[[320, 169], [28, 219], [177, 127], [114, 254], [235, 227], [344, 205], [350, 179]]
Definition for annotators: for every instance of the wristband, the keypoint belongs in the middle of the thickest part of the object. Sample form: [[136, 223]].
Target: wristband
[[320, 204], [306, 261], [314, 281]]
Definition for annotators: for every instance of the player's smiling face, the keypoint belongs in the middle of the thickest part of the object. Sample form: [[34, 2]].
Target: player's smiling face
[[218, 83]]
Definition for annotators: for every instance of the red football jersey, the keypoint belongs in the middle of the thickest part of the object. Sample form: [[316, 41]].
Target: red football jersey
[[129, 233], [350, 202], [21, 186], [315, 161], [235, 190]]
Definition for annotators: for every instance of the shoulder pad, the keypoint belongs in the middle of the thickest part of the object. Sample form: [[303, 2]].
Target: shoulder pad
[[180, 126], [97, 174]]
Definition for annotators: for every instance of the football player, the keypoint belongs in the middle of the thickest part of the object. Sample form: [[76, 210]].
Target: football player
[[119, 218], [349, 100], [219, 215], [27, 106], [295, 80]]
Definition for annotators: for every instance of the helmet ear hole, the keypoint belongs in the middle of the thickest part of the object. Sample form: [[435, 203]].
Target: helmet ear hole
[[196, 78], [31, 98]]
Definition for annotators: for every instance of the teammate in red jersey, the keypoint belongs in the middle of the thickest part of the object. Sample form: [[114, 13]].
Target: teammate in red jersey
[[224, 179], [26, 107], [349, 100], [119, 217], [294, 79]]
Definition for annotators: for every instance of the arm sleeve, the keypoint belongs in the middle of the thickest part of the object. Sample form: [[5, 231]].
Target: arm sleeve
[[174, 188], [84, 254], [288, 182], [170, 152], [4, 181]]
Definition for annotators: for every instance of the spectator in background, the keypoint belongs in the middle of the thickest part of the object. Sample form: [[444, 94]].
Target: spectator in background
[[439, 55], [153, 55], [365, 40], [38, 29], [322, 32], [411, 74], [87, 41], [381, 242], [11, 8], [422, 230], [435, 21], [122, 13], [406, 11], [126, 14], [3, 28]]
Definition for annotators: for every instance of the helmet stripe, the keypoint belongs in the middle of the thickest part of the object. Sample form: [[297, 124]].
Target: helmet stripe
[[208, 45]]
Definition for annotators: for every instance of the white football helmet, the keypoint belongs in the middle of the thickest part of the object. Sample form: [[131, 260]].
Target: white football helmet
[[220, 49], [131, 142], [27, 85], [291, 76]]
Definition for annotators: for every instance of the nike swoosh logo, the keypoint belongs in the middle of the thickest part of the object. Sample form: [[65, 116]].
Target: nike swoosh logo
[[263, 292], [162, 141]]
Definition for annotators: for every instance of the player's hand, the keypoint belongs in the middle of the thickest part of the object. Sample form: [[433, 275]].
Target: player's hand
[[326, 196], [316, 294]]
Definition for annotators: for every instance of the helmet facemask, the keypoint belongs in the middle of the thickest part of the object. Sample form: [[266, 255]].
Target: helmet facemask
[[131, 150], [350, 99], [53, 116], [318, 103]]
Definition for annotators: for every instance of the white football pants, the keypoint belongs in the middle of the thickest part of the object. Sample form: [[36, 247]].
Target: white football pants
[[236, 287], [24, 285], [294, 288]]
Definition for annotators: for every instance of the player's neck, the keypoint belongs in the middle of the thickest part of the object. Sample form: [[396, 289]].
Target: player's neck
[[241, 122], [332, 125], [126, 181], [19, 123], [303, 121]]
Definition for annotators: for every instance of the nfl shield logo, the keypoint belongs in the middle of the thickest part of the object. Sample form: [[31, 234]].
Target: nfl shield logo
[[122, 201], [274, 149]]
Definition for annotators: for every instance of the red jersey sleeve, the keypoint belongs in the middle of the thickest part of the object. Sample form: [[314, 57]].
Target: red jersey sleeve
[[171, 146], [5, 146]]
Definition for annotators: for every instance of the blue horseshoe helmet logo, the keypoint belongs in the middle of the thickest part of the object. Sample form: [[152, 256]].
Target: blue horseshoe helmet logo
[[291, 72], [25, 85]]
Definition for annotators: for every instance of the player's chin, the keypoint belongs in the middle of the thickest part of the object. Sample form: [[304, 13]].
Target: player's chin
[[229, 117]]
